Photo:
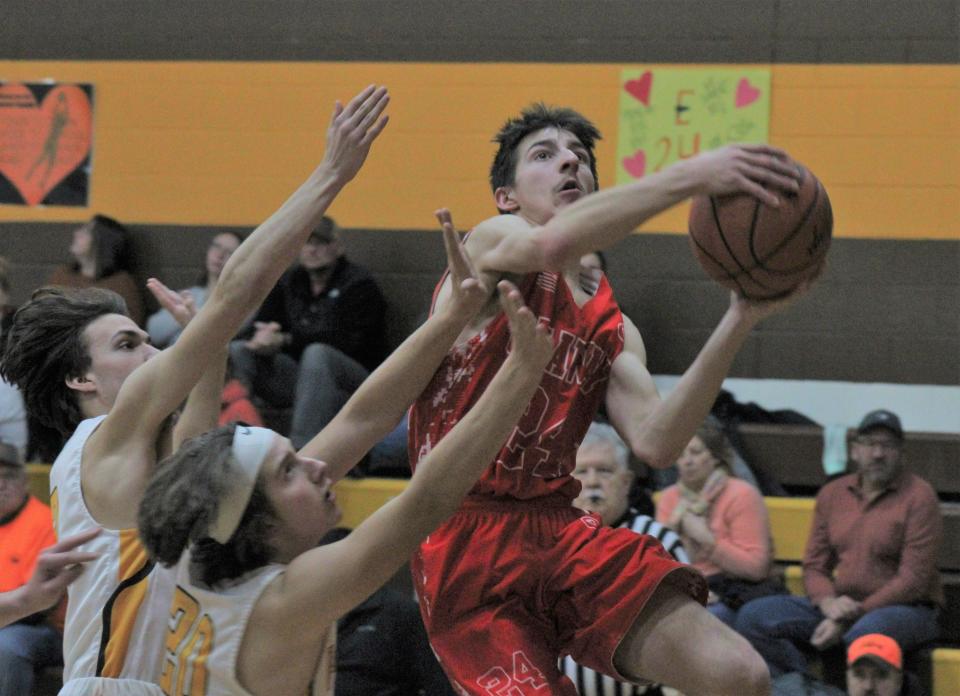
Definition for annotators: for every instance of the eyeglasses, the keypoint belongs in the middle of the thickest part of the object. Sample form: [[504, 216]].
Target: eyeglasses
[[884, 445]]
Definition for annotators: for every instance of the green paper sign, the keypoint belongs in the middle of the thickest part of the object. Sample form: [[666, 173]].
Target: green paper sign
[[668, 114]]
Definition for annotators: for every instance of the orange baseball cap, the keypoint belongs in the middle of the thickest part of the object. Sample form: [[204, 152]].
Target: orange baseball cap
[[876, 646]]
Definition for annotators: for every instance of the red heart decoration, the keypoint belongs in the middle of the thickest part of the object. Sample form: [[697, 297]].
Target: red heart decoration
[[42, 143], [639, 89], [636, 165], [746, 93]]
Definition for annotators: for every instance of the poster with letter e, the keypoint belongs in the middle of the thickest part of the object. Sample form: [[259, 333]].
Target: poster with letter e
[[669, 114], [46, 137]]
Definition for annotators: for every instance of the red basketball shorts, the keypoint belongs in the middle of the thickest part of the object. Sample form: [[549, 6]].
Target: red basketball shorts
[[506, 588]]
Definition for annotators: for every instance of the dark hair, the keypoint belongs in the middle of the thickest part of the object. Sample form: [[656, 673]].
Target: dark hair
[[111, 246], [202, 277], [536, 117], [181, 501], [712, 435], [45, 346]]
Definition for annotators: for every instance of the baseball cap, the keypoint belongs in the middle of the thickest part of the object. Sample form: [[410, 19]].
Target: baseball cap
[[875, 646], [325, 232], [9, 455], [881, 418]]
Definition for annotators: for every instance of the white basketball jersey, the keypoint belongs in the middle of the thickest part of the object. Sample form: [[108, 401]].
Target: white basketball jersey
[[117, 608], [99, 686], [206, 627]]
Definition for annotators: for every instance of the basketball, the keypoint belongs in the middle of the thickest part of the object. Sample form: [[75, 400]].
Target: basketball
[[761, 252]]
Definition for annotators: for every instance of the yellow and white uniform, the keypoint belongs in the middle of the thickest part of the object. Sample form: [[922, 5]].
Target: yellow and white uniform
[[206, 627], [117, 608]]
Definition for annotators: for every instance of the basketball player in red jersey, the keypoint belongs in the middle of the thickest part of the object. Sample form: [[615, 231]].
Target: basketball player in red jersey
[[518, 576]]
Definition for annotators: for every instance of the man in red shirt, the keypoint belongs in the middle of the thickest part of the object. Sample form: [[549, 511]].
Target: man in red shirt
[[26, 528], [870, 565]]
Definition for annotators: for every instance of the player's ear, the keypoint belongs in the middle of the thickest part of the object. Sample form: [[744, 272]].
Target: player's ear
[[505, 200], [81, 383]]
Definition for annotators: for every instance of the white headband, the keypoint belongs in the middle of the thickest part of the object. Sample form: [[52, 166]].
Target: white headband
[[250, 448]]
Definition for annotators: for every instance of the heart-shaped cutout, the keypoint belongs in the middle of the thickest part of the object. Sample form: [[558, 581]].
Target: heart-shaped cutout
[[636, 164], [42, 143], [746, 93], [639, 89]]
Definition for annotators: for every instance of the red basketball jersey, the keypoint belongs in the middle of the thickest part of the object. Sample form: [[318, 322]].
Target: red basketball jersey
[[539, 456]]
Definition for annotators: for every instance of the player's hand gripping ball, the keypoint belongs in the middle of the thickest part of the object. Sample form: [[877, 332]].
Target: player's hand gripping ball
[[759, 251]]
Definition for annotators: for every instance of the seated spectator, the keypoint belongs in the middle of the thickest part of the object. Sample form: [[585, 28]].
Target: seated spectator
[[604, 471], [13, 416], [318, 333], [26, 528], [235, 404], [101, 258], [874, 666], [870, 565], [723, 523], [163, 328], [382, 646]]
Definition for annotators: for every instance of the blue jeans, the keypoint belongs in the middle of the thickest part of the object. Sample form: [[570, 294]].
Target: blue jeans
[[24, 648], [723, 612], [777, 626], [317, 387]]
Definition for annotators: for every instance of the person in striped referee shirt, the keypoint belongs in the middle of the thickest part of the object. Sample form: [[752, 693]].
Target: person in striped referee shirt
[[604, 471]]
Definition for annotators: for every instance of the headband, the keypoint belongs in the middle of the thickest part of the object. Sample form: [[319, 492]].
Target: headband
[[249, 449]]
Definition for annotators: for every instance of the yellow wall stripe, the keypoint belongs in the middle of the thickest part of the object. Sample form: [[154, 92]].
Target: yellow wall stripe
[[200, 143]]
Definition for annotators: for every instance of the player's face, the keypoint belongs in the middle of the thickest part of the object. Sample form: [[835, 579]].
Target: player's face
[[302, 497], [877, 456], [552, 171], [869, 678], [219, 252], [13, 488], [116, 347], [696, 464], [605, 484]]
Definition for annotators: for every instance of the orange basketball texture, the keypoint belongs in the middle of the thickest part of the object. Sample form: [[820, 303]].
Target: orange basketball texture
[[762, 252]]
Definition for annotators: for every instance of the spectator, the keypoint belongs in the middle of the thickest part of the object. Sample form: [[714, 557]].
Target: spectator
[[604, 471], [235, 404], [382, 647], [316, 336], [163, 328], [874, 666], [723, 523], [101, 258], [13, 416], [870, 561], [26, 528]]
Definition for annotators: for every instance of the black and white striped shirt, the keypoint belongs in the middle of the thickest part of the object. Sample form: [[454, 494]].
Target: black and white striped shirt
[[590, 683]]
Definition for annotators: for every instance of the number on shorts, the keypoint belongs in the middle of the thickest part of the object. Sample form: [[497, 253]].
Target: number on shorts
[[497, 682]]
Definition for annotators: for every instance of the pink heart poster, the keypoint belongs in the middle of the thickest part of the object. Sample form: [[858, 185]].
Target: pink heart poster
[[669, 114], [46, 136]]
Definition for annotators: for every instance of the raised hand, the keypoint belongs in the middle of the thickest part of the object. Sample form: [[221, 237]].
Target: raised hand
[[181, 305], [752, 169], [468, 293], [57, 566], [352, 130], [530, 340]]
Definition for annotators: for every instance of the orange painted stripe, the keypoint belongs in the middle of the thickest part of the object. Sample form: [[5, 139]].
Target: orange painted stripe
[[224, 143]]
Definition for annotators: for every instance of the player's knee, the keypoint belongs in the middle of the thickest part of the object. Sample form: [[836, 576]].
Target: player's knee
[[750, 676]]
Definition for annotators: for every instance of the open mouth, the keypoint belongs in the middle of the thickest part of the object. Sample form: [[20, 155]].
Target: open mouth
[[569, 185]]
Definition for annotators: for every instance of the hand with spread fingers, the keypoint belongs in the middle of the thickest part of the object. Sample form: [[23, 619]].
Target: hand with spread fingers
[[352, 130], [759, 170], [468, 293], [181, 305], [530, 340]]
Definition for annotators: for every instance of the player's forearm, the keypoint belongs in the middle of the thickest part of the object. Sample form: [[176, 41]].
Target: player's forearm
[[601, 219], [383, 398], [661, 436], [257, 264], [202, 410], [15, 605]]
